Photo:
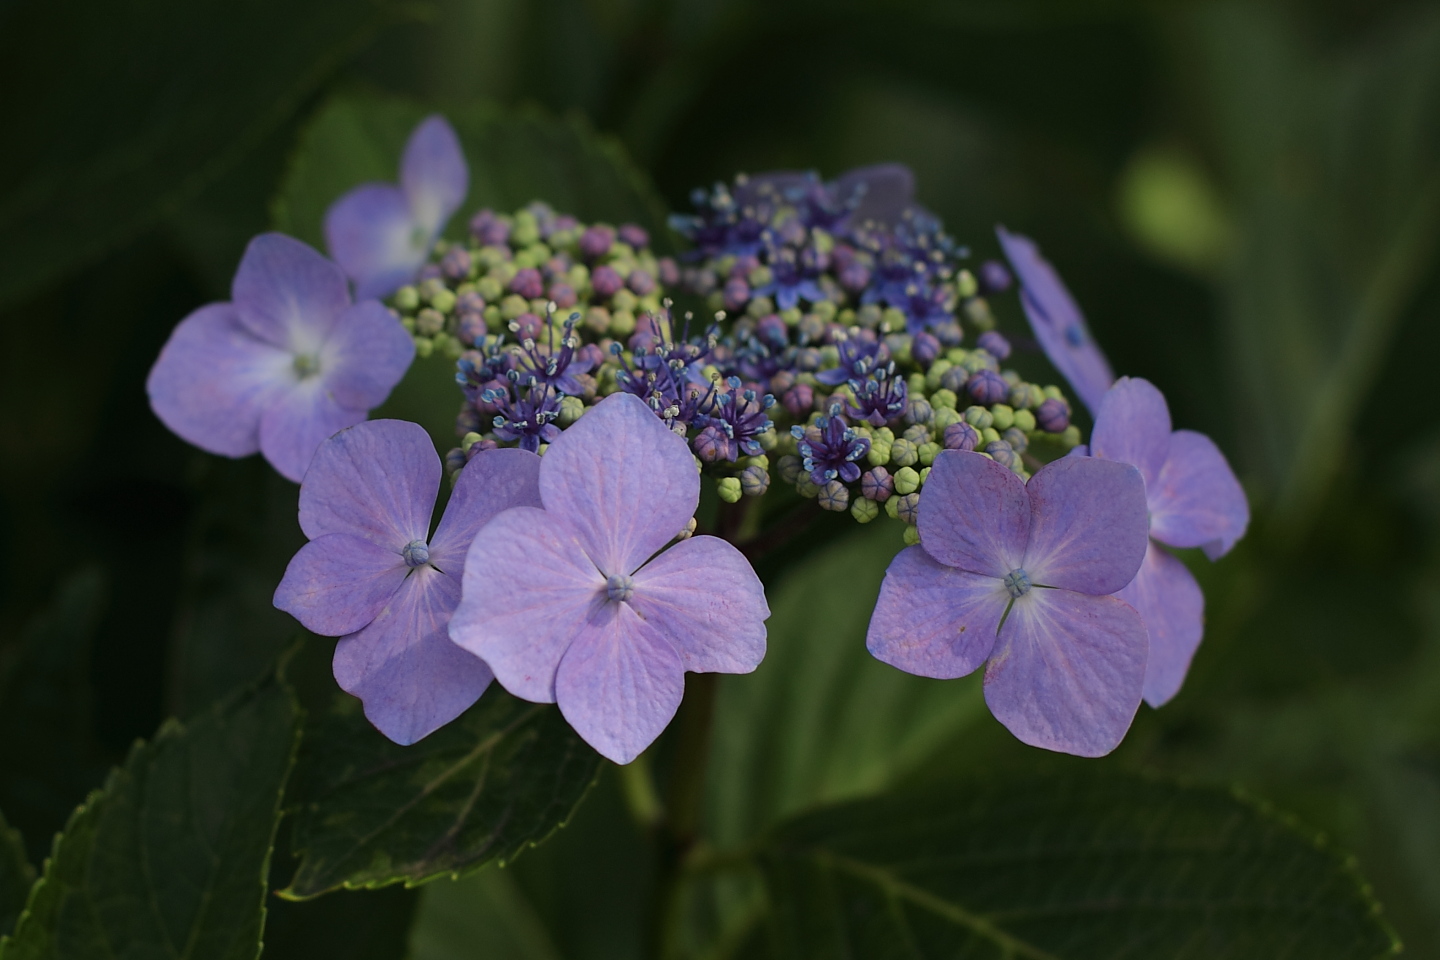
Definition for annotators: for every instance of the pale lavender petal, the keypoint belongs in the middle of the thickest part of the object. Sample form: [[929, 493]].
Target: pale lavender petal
[[412, 679], [1088, 525], [377, 480], [1067, 671], [493, 480], [620, 683], [528, 588], [297, 422], [1057, 321], [1170, 602], [372, 234], [974, 514], [433, 174], [214, 379], [704, 598], [932, 620], [338, 583], [366, 355], [622, 480], [1198, 502], [1133, 426], [889, 192], [288, 294]]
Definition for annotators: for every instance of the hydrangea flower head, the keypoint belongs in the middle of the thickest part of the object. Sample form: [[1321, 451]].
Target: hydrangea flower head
[[1057, 321], [1194, 500], [570, 603], [287, 362], [381, 233], [373, 576], [1017, 577]]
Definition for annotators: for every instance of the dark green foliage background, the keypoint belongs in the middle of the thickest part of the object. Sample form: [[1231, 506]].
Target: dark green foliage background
[[1244, 197]]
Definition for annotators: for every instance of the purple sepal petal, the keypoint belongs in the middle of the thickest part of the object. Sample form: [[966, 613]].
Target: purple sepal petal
[[377, 480], [371, 234], [1169, 600], [889, 192], [1197, 501], [434, 174], [1056, 320], [493, 480], [214, 379], [1088, 527], [974, 514], [704, 598], [412, 679], [297, 422], [932, 620], [620, 682], [338, 583], [622, 480], [528, 586], [1068, 671], [287, 294], [367, 354], [1133, 426]]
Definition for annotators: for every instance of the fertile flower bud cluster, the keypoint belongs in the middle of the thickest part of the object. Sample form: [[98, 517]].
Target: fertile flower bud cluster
[[844, 377]]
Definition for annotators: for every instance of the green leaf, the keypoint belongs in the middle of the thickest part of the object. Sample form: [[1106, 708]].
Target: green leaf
[[170, 858], [821, 720], [16, 877], [155, 99], [369, 812], [1063, 869]]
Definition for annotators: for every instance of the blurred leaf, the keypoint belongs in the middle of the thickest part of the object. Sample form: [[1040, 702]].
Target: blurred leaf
[[821, 720], [169, 859], [369, 812], [487, 907], [353, 925], [1047, 868], [1334, 170], [155, 99], [16, 877], [47, 757]]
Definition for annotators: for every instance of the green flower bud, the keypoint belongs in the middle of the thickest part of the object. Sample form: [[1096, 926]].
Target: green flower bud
[[1017, 439], [943, 399], [904, 452], [879, 454], [885, 435], [806, 487], [526, 229], [493, 320], [539, 253], [834, 496], [928, 452], [933, 375], [578, 276], [894, 319], [407, 298], [489, 289], [1026, 396], [1071, 437], [892, 508], [978, 417], [789, 467], [424, 346], [965, 284], [758, 307], [868, 316], [524, 258], [1003, 416], [1025, 420], [791, 317], [957, 355], [623, 300], [977, 311], [469, 440], [570, 410], [916, 384], [924, 475], [911, 536], [512, 306], [1053, 392], [729, 489], [408, 323], [864, 510], [989, 435], [907, 480], [944, 417], [430, 289], [449, 346], [918, 433], [825, 310], [429, 322], [622, 323], [443, 300], [488, 258]]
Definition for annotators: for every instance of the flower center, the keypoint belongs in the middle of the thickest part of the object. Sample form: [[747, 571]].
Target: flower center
[[306, 365], [619, 587], [416, 553], [1017, 581]]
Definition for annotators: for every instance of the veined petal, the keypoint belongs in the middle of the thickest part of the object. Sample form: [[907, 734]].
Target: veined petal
[[1133, 426], [297, 422], [889, 191], [433, 174], [1169, 600], [377, 480], [214, 379], [703, 597], [412, 679], [620, 683], [338, 583], [1088, 525], [1198, 502], [932, 620], [622, 480], [1057, 321], [366, 355], [372, 234], [493, 480], [288, 294], [1067, 671], [528, 590], [974, 514]]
